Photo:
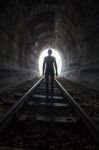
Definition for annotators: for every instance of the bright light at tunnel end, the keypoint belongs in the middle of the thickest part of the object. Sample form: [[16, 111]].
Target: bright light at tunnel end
[[56, 54]]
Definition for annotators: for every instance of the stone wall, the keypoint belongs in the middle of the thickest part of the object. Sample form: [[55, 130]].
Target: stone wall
[[17, 59], [82, 59]]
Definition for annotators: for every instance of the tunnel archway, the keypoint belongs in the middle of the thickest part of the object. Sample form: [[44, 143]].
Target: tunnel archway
[[56, 54]]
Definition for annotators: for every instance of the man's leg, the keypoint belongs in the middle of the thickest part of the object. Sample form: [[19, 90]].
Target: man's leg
[[47, 81], [52, 85], [47, 85]]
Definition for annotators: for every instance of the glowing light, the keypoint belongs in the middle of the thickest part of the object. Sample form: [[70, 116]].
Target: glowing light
[[55, 54]]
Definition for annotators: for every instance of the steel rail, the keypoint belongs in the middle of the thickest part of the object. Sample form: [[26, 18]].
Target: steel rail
[[13, 110], [90, 124]]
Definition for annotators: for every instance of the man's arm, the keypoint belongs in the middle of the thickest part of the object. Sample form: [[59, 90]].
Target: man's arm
[[55, 67], [43, 67]]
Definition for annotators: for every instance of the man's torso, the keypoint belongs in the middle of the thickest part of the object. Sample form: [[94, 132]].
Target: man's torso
[[49, 60]]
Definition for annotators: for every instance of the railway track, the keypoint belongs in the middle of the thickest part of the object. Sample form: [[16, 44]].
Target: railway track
[[41, 120]]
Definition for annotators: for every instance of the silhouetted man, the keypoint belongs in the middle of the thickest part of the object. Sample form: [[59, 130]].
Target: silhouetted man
[[48, 69]]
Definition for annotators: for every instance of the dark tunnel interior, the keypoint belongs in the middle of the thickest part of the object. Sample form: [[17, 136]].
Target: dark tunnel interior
[[69, 26], [40, 110]]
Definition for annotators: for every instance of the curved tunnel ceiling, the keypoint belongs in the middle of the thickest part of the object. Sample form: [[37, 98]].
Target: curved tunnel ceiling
[[56, 24], [51, 24], [55, 21]]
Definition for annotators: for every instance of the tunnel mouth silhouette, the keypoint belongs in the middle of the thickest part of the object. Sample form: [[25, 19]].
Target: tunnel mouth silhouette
[[56, 54]]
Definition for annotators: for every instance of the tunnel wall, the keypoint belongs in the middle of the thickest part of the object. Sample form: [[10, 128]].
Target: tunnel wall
[[82, 61], [89, 72], [17, 58]]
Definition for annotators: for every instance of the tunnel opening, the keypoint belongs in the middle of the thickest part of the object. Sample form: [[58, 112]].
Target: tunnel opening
[[56, 54]]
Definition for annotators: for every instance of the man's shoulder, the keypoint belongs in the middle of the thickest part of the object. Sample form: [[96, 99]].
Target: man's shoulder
[[46, 57], [53, 57], [49, 57]]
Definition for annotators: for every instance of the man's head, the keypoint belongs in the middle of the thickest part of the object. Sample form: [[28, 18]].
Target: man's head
[[49, 51]]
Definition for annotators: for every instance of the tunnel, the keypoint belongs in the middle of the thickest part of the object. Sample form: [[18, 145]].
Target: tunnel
[[35, 114], [29, 27]]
